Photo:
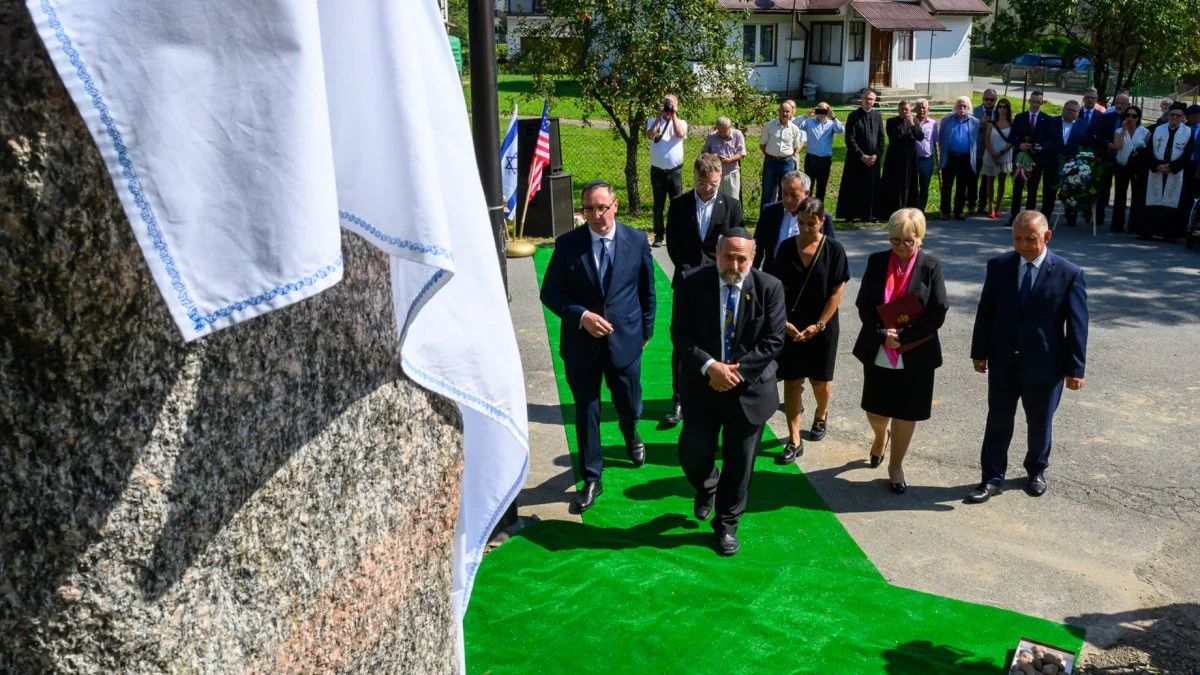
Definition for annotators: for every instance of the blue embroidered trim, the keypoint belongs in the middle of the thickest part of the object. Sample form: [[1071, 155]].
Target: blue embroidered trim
[[473, 567], [200, 322], [307, 281], [397, 242], [131, 179], [461, 395], [412, 308]]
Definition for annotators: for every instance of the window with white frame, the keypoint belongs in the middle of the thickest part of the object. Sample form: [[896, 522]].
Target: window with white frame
[[758, 43], [858, 41], [905, 49], [825, 44]]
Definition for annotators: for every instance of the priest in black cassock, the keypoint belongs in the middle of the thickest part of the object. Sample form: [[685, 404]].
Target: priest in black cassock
[[899, 187], [864, 150], [1168, 193]]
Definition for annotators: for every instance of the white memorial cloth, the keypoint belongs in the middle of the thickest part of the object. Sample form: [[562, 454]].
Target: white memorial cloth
[[239, 136], [1166, 190]]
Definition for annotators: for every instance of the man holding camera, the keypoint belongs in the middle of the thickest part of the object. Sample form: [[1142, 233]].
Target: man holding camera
[[819, 126], [666, 133]]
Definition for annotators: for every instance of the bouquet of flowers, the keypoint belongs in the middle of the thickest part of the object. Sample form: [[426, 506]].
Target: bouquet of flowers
[[1077, 180], [1023, 165]]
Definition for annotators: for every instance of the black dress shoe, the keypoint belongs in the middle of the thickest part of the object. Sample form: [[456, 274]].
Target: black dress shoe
[[586, 498], [702, 505], [876, 460], [959, 216], [727, 543], [1037, 485], [899, 488], [790, 453], [636, 449], [675, 416], [818, 430], [658, 241], [984, 492]]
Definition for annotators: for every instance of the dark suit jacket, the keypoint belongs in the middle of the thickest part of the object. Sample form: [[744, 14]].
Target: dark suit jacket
[[697, 333], [683, 231], [929, 285], [766, 235], [1023, 132], [1101, 132], [1050, 331], [571, 286], [1055, 148]]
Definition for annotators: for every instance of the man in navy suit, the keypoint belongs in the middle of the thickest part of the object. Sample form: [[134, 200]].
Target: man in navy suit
[[1030, 133], [728, 322], [1068, 134], [778, 222], [696, 219], [1030, 337], [600, 282]]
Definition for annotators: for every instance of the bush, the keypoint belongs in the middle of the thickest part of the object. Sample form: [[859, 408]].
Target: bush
[[1054, 44], [502, 52]]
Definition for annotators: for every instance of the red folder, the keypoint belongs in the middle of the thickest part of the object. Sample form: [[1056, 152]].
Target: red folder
[[901, 312]]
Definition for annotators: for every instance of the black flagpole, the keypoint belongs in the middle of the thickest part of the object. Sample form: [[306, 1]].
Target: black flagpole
[[485, 116], [485, 124]]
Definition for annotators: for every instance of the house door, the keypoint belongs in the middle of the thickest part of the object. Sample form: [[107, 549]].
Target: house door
[[881, 58]]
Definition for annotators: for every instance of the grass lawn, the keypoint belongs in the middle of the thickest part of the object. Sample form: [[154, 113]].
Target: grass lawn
[[592, 152]]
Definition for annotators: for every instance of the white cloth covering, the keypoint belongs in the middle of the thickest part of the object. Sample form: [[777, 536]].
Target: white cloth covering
[[240, 135]]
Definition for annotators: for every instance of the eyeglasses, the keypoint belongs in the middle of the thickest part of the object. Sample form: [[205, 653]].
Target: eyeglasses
[[598, 209], [910, 242], [989, 100], [1132, 116]]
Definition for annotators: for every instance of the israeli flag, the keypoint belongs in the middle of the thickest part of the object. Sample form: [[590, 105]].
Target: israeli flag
[[508, 168]]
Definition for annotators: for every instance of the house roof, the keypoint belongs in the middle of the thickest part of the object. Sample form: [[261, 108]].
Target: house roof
[[785, 5], [958, 7], [887, 15]]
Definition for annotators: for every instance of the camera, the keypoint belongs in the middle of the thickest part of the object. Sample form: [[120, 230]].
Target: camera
[[668, 108]]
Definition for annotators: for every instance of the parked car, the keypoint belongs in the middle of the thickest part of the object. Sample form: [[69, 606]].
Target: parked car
[[1041, 67], [1081, 77]]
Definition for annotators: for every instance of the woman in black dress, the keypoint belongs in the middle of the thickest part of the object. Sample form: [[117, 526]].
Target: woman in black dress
[[814, 272], [898, 387]]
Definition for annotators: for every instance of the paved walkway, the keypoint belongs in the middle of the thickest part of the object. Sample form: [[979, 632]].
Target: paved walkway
[[1109, 547]]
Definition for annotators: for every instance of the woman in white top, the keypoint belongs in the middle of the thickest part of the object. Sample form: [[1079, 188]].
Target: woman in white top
[[997, 163], [1130, 144]]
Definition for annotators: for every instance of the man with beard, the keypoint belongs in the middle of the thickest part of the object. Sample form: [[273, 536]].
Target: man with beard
[[1167, 190], [728, 322], [900, 188], [864, 148]]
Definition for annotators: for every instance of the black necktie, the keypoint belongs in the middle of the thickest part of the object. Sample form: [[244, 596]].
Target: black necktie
[[1026, 283]]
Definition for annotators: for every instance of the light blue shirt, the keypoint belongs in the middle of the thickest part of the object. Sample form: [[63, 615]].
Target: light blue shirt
[[820, 135], [960, 136], [790, 227]]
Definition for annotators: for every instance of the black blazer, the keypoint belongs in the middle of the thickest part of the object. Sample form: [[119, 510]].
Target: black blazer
[[683, 231], [766, 235], [1076, 141], [571, 286], [1049, 331], [1023, 132], [697, 333], [927, 282]]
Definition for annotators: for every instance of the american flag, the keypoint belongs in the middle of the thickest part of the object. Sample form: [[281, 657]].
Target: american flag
[[541, 154]]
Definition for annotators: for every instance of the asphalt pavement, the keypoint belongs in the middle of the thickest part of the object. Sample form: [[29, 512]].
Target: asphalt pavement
[[1113, 544]]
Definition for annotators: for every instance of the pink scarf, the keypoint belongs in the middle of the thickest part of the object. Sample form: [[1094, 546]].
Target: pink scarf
[[894, 287]]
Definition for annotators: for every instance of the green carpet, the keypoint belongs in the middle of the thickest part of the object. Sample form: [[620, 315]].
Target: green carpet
[[638, 588]]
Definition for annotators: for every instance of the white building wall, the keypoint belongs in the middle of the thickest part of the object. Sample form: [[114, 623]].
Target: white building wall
[[951, 52], [856, 73], [784, 74]]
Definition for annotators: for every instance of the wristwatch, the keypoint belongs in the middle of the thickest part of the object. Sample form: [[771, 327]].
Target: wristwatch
[[820, 325]]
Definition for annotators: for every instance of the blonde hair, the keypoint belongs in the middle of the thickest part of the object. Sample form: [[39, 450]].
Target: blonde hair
[[907, 222]]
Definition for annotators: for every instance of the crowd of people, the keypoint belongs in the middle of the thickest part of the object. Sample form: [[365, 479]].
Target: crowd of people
[[1147, 172], [751, 310]]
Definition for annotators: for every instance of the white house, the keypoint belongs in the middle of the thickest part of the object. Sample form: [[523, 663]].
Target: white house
[[842, 46]]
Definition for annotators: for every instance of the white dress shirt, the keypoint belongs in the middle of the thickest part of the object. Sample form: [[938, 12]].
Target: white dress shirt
[[704, 211], [737, 297], [1067, 126], [608, 244], [789, 227]]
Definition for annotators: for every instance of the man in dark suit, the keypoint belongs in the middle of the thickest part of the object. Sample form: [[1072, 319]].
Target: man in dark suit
[[779, 223], [1101, 132], [1030, 133], [1068, 134], [696, 219], [1030, 337], [728, 322], [600, 282]]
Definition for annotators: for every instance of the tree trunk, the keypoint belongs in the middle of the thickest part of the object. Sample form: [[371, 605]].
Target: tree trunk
[[632, 144]]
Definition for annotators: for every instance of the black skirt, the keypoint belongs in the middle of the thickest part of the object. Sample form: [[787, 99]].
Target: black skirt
[[905, 394], [813, 359]]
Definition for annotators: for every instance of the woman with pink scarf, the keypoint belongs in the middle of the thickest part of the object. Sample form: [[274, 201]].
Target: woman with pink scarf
[[899, 354]]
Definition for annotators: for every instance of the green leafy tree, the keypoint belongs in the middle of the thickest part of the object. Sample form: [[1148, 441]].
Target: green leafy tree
[[1147, 38], [627, 54]]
